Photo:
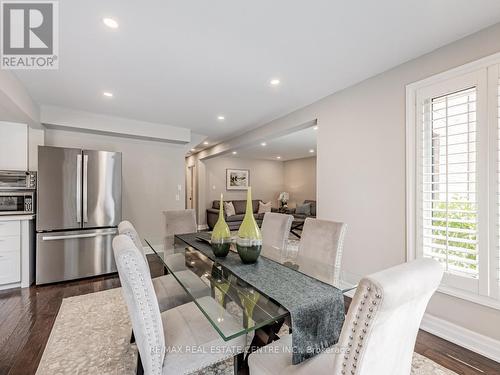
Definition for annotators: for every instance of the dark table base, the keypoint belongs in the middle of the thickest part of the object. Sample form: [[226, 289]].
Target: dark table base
[[296, 226]]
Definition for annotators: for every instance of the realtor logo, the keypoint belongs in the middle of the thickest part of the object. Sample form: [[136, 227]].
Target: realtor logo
[[29, 37]]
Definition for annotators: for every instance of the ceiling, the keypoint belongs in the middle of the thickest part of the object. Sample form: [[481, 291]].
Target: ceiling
[[295, 145], [184, 63]]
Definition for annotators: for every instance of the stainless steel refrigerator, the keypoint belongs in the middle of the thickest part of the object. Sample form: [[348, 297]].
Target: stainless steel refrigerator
[[78, 210]]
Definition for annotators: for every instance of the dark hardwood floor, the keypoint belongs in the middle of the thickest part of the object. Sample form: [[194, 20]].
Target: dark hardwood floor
[[27, 317]]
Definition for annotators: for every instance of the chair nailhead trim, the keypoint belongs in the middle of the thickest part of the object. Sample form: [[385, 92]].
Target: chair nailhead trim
[[145, 306], [370, 296]]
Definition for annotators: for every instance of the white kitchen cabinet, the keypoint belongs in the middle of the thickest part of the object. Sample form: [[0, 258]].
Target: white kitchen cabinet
[[10, 252], [10, 243], [13, 146], [10, 267], [10, 228], [16, 251]]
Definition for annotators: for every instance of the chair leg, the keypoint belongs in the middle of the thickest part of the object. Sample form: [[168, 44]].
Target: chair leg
[[140, 369], [264, 336], [295, 233], [132, 338]]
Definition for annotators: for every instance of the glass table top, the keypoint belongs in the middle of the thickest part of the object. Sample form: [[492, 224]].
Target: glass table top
[[232, 306]]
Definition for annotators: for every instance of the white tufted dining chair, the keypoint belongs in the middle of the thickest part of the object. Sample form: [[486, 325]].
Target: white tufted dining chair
[[323, 242], [379, 332], [275, 229], [181, 328], [168, 291], [126, 227]]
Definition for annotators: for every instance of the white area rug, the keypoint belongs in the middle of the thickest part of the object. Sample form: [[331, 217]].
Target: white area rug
[[91, 336]]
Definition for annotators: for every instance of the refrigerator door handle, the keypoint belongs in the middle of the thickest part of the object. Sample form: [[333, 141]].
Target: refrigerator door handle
[[72, 236], [85, 187], [79, 188]]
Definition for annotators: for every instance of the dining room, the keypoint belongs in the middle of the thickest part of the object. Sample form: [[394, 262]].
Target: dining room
[[251, 301], [228, 188]]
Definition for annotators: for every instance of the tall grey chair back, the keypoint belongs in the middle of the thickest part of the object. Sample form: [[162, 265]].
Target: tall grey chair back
[[384, 317], [179, 222], [126, 228], [275, 229], [379, 332], [323, 242], [142, 305]]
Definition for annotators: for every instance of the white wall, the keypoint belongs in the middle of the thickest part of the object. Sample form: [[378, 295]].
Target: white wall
[[266, 179], [13, 146], [361, 168], [151, 173], [300, 180], [112, 125], [15, 102], [36, 137]]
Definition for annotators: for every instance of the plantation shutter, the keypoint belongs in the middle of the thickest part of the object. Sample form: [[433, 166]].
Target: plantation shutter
[[450, 211], [449, 162]]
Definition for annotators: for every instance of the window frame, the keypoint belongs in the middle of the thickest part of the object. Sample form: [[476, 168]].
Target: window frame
[[484, 74]]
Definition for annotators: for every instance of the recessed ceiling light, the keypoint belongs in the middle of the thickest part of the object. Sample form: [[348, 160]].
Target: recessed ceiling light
[[220, 118], [205, 143], [311, 151], [274, 82], [110, 22], [315, 127], [263, 144], [107, 94], [278, 157], [234, 152]]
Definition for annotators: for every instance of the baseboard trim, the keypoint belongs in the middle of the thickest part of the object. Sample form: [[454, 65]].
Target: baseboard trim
[[10, 286], [202, 227], [461, 336]]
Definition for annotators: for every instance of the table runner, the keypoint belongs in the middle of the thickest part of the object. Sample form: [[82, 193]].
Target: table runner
[[316, 309]]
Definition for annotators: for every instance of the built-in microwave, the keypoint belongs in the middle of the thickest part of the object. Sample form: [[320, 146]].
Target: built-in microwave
[[17, 180], [17, 192], [17, 202]]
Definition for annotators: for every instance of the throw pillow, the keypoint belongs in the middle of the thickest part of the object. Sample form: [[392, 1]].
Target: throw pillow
[[264, 207], [304, 209], [229, 209]]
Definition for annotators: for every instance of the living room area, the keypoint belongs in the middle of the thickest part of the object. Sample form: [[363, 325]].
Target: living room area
[[281, 171]]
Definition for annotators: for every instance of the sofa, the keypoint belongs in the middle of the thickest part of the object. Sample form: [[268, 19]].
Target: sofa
[[302, 216], [234, 221]]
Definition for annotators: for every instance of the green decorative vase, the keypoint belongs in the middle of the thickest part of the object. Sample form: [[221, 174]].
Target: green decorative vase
[[221, 236], [249, 241]]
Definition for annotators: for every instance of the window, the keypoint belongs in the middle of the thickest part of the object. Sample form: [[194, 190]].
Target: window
[[449, 204], [453, 179]]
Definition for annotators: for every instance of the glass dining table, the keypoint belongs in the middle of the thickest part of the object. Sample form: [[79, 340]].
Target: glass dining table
[[232, 306]]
